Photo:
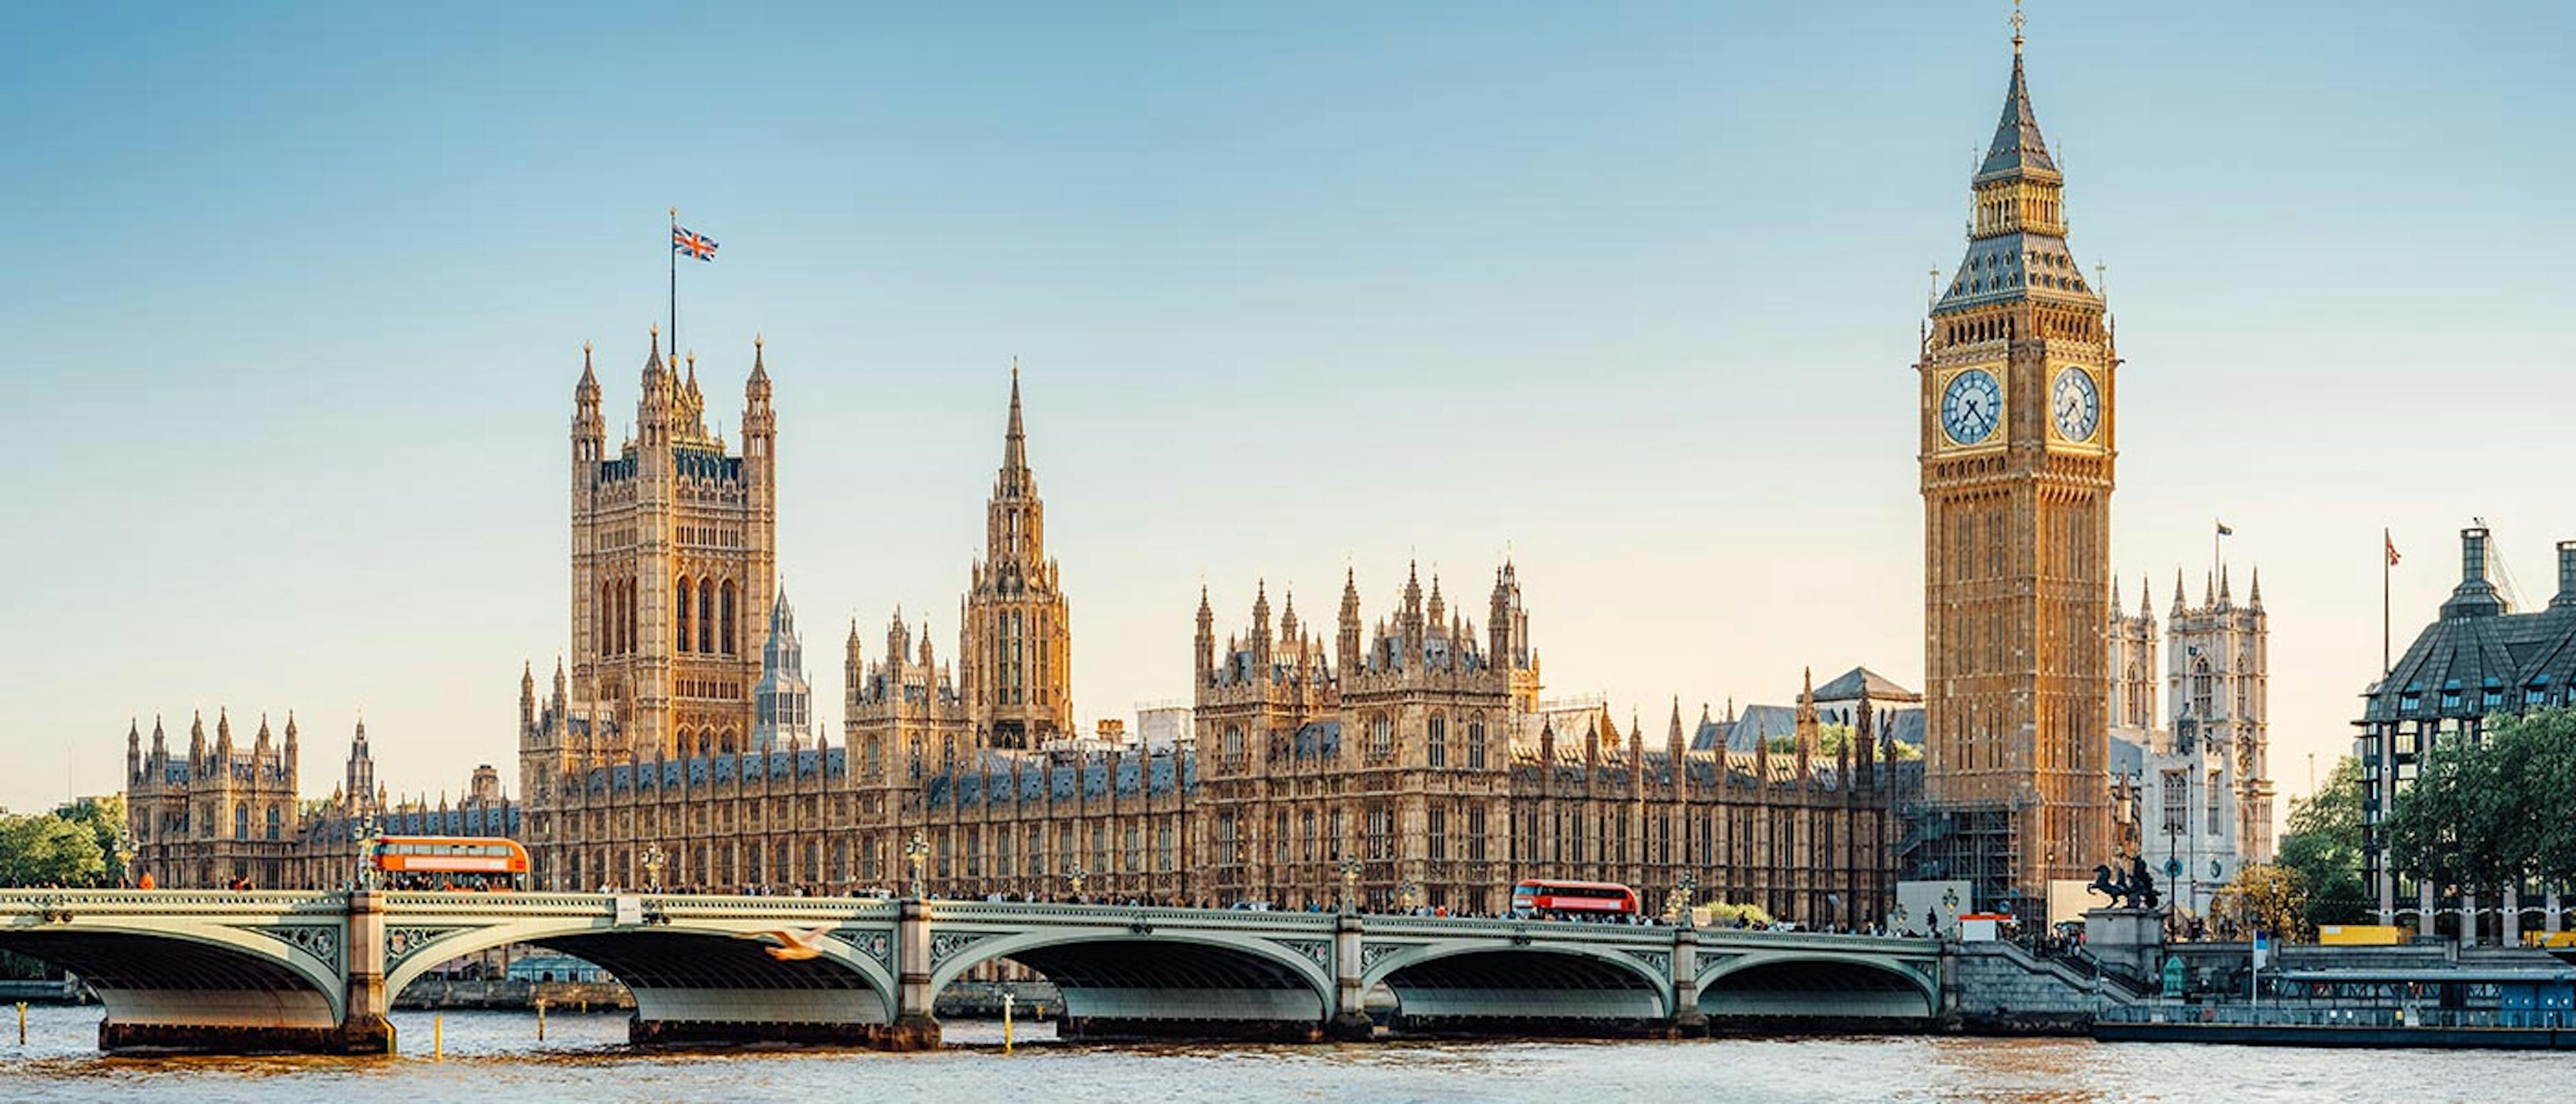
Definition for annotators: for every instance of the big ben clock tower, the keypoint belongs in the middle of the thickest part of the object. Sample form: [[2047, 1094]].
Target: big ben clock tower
[[2017, 374]]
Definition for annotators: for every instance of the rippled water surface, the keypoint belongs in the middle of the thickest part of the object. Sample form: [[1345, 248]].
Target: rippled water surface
[[495, 1056]]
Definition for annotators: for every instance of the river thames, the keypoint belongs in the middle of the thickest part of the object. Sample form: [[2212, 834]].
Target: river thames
[[495, 1056]]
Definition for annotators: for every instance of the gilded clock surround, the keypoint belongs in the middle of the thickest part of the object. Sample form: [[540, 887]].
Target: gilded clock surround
[[2057, 434]]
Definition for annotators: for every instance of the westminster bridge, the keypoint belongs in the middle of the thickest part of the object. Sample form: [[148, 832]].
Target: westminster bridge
[[281, 971]]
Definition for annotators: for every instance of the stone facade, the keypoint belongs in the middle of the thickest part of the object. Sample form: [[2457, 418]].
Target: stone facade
[[2203, 784], [1426, 764], [673, 561], [1419, 753], [220, 814]]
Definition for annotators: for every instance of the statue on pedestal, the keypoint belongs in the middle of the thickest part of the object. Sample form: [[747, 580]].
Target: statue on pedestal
[[2133, 888]]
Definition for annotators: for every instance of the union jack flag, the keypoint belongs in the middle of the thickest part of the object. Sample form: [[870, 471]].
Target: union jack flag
[[700, 246]]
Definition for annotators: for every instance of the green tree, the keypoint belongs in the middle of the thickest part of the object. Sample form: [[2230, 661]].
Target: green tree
[[2322, 849], [2426, 824], [2265, 897], [2546, 783], [104, 819], [2492, 813], [46, 850]]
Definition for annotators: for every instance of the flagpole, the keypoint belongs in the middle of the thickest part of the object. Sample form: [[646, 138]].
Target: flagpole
[[675, 284], [2386, 542]]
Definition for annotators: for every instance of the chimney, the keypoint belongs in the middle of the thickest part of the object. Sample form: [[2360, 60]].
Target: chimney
[[2475, 596], [2566, 576]]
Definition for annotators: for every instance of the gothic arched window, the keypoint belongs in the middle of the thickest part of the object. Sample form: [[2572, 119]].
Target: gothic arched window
[[706, 615], [1438, 747], [725, 619], [680, 619], [1476, 742]]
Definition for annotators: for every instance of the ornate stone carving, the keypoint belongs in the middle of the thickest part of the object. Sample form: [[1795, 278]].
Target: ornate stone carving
[[1661, 962], [322, 943], [946, 945], [874, 944], [1317, 951], [403, 942], [1373, 953]]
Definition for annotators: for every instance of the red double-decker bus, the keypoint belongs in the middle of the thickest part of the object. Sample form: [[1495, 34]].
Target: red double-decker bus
[[451, 862], [1544, 898]]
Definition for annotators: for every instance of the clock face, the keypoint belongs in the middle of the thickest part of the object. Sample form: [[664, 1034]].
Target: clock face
[[1971, 406], [2075, 404]]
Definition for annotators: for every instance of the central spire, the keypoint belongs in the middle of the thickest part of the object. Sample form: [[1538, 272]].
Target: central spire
[[1015, 448], [2017, 247], [2018, 147]]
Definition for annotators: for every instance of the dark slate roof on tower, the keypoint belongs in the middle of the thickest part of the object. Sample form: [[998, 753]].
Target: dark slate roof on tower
[[2018, 146]]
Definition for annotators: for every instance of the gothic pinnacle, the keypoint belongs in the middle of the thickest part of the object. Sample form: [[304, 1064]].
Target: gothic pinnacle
[[1015, 439]]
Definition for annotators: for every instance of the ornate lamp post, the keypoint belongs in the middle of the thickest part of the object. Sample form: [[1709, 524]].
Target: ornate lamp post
[[917, 852], [1350, 885], [369, 835], [1073, 876], [1683, 891], [653, 860], [1406, 893], [124, 856]]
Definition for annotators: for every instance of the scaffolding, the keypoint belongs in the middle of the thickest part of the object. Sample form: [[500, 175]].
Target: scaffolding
[[1978, 842]]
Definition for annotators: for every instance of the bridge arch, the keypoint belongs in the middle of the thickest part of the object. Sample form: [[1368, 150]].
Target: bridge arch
[[1817, 983], [280, 975], [1564, 983], [687, 972], [1137, 979]]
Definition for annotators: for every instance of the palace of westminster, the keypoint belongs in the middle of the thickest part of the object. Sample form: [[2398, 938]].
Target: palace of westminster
[[1408, 752]]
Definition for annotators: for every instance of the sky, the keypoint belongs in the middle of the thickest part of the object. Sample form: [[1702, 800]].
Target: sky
[[297, 297]]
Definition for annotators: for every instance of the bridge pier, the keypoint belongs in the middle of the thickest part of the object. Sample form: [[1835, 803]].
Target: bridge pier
[[363, 1026], [1350, 1020], [916, 1020], [1687, 1022]]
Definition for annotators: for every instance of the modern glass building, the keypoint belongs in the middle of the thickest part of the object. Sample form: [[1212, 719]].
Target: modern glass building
[[2479, 660]]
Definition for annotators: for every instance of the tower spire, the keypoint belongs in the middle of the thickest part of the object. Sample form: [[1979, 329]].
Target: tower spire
[[1015, 441]]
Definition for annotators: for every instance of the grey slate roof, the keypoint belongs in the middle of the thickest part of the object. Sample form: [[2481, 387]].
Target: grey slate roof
[[2018, 146], [2478, 659], [1860, 681]]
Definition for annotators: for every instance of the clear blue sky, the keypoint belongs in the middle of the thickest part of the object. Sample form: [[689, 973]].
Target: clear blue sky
[[296, 298]]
